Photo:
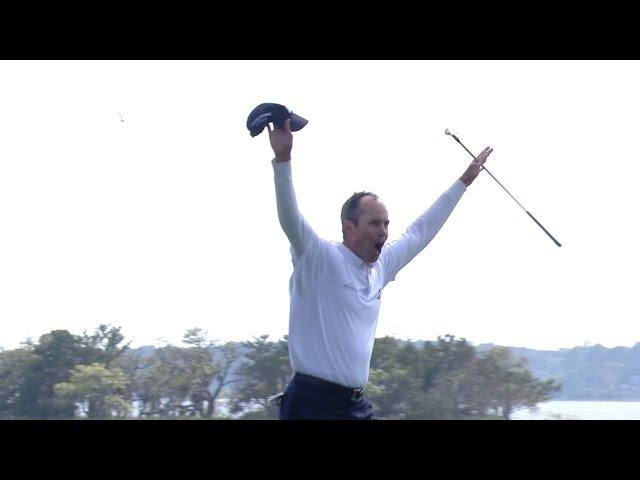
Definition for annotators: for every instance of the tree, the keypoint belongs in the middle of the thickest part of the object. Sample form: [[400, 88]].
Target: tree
[[213, 364], [186, 381], [51, 361], [508, 384], [392, 391], [155, 386], [14, 365], [265, 371], [103, 346], [96, 390], [447, 379], [394, 378]]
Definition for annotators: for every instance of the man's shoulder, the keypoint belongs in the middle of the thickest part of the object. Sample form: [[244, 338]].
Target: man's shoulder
[[332, 247], [322, 247], [332, 250]]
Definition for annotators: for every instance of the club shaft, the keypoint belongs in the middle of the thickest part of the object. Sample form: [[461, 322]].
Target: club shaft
[[509, 193], [545, 230]]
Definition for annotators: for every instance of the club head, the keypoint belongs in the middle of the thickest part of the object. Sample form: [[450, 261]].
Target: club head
[[447, 132]]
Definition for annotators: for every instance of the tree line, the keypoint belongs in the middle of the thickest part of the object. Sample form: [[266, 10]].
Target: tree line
[[98, 376]]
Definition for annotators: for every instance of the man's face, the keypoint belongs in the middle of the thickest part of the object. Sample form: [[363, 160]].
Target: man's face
[[368, 237]]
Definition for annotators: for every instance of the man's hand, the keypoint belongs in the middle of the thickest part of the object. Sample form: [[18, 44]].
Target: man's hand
[[474, 169], [281, 141]]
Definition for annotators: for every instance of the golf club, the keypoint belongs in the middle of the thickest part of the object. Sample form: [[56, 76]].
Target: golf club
[[447, 132]]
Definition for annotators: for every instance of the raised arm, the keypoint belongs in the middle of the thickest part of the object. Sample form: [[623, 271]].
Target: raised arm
[[426, 226], [293, 224]]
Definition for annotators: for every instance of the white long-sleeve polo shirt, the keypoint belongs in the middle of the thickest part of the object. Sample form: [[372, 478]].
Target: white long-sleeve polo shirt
[[335, 295]]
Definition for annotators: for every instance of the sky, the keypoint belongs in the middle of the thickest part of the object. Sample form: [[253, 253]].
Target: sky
[[131, 194]]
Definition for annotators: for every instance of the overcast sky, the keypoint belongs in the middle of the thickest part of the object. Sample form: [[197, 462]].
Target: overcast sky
[[167, 221]]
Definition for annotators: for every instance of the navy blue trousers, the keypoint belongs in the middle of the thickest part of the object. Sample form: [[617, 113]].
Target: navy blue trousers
[[304, 400]]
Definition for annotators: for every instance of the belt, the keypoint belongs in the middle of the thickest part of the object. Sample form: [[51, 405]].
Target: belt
[[353, 394]]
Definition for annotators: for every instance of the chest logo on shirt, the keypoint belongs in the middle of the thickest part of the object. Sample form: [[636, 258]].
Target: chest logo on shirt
[[350, 286]]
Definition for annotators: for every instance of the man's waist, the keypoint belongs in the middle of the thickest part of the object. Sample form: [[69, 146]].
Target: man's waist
[[353, 393]]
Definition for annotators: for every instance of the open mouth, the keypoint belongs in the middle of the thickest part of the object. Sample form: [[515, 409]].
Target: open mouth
[[379, 246]]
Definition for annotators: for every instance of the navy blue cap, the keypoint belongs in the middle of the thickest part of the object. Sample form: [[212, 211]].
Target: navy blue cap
[[273, 112]]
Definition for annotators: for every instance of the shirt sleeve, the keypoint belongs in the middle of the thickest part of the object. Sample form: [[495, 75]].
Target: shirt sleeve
[[400, 252], [301, 236]]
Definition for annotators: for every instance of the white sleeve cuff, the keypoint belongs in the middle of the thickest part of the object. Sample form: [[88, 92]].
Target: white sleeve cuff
[[281, 170]]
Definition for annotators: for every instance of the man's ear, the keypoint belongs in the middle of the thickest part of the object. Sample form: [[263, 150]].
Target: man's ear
[[348, 227]]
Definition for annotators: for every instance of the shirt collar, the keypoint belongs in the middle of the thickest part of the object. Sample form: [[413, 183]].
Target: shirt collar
[[352, 258]]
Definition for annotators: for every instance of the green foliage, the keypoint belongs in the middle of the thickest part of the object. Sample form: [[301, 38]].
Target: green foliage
[[14, 365], [265, 371], [52, 360], [97, 375], [446, 379], [103, 346], [185, 381], [96, 390], [29, 389], [507, 384]]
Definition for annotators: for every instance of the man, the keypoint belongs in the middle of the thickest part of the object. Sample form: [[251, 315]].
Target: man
[[336, 289]]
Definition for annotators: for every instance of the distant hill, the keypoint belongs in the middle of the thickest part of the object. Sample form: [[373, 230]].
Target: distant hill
[[587, 373]]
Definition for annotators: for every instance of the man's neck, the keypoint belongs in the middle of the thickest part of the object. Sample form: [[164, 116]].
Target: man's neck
[[356, 253]]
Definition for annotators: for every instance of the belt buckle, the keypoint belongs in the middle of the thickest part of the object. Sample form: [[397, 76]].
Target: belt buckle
[[357, 394]]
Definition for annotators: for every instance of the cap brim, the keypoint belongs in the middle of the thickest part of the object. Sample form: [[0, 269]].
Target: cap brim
[[297, 122], [257, 131]]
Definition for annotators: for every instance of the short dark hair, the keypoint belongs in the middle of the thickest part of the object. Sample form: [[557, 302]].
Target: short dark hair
[[351, 208]]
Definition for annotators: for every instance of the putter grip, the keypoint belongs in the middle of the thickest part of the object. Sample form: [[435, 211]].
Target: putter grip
[[545, 230]]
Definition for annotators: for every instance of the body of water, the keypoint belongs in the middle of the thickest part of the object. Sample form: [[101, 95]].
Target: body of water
[[581, 410]]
